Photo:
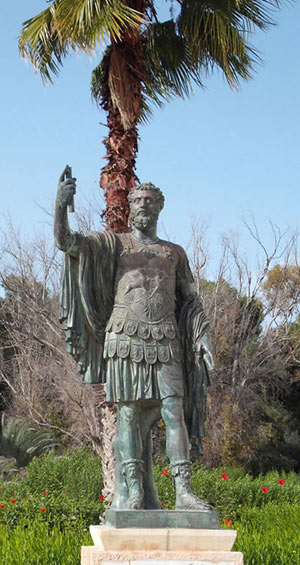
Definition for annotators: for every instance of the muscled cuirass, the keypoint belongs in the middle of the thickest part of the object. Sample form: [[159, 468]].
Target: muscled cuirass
[[145, 280], [143, 324]]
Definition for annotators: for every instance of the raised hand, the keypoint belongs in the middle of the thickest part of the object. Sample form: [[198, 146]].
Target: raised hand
[[66, 189]]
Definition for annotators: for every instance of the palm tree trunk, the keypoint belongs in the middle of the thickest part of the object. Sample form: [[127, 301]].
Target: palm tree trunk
[[118, 176], [122, 98]]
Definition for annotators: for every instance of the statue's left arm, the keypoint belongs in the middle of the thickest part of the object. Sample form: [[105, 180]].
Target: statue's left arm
[[198, 358], [190, 304]]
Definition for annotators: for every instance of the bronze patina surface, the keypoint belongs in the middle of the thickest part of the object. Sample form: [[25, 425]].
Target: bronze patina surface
[[190, 519], [133, 319]]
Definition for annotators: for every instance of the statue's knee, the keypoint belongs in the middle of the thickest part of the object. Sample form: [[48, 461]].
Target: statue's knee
[[128, 413], [171, 411]]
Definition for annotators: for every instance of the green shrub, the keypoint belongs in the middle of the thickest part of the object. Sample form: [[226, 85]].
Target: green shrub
[[76, 472], [230, 496], [55, 490], [165, 488], [50, 509], [38, 544]]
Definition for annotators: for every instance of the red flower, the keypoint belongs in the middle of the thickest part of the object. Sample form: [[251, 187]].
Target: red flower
[[5, 522], [165, 472], [63, 492], [26, 496], [0, 489], [101, 497], [225, 476], [265, 489], [162, 503], [227, 523], [13, 500], [14, 494], [43, 509], [44, 492], [281, 482], [2, 505]]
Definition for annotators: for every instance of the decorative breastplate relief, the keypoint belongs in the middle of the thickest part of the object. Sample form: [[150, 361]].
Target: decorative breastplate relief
[[145, 281]]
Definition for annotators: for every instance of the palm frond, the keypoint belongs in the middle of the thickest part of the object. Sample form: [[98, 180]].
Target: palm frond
[[87, 22], [168, 61], [22, 441], [46, 39], [179, 53], [216, 34], [8, 467], [244, 15], [117, 82], [120, 87], [97, 80], [42, 44]]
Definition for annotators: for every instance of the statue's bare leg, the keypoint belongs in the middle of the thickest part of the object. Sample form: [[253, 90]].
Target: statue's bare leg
[[120, 491], [177, 441], [177, 447], [150, 413], [130, 451], [130, 442]]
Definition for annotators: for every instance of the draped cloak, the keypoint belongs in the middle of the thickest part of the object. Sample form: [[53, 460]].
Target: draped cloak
[[86, 303]]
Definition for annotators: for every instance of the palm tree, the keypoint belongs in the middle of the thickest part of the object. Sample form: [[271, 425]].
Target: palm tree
[[146, 60]]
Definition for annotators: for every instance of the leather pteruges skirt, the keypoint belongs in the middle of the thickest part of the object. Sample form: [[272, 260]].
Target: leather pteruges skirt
[[139, 369]]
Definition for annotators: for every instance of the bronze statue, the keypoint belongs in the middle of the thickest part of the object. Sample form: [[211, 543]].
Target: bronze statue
[[132, 319]]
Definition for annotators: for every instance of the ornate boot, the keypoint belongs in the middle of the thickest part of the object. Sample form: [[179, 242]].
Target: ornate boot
[[185, 499], [133, 473]]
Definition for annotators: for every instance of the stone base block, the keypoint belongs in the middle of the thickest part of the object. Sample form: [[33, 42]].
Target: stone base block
[[160, 546], [91, 555], [161, 539]]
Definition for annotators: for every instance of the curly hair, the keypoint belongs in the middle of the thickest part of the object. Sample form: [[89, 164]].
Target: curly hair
[[147, 186]]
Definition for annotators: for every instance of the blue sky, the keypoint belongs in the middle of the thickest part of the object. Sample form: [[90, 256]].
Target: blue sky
[[221, 155]]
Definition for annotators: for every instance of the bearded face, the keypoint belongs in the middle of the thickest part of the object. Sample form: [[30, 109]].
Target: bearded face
[[144, 209], [142, 220]]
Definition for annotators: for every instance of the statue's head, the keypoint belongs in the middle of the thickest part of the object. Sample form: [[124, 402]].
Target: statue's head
[[146, 202]]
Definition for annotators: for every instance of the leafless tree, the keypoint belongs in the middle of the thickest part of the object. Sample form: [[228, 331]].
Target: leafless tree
[[251, 316], [40, 375]]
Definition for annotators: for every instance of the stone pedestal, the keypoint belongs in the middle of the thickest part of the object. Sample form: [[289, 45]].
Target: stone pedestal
[[160, 546]]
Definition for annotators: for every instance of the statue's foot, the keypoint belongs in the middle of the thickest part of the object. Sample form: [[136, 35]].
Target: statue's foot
[[189, 501], [135, 502], [119, 500], [185, 499]]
